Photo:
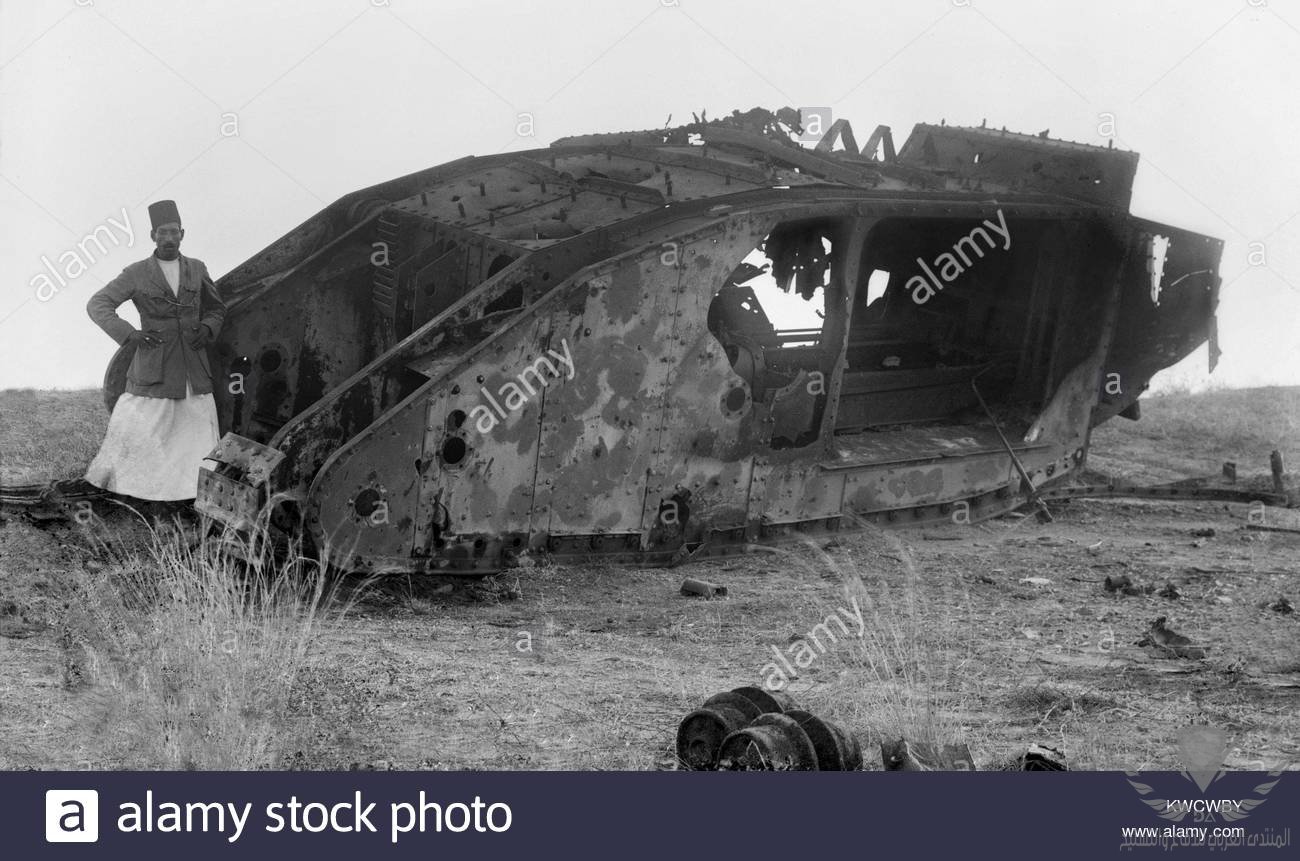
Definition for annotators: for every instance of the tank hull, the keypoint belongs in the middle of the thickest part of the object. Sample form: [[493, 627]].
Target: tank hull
[[601, 348]]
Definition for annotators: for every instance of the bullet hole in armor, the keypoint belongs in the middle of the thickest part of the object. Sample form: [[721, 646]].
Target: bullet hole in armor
[[735, 399], [270, 360], [454, 451], [366, 502]]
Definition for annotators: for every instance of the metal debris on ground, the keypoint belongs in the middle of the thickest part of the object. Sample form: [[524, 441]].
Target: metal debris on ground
[[1191, 490], [1259, 527], [904, 755], [1040, 757], [771, 742], [752, 729]]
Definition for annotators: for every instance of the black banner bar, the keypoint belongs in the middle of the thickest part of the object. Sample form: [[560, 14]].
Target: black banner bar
[[642, 815]]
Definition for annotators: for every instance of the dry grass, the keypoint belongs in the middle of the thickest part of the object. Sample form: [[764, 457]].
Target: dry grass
[[1228, 422], [902, 677], [190, 652], [1183, 435], [48, 435]]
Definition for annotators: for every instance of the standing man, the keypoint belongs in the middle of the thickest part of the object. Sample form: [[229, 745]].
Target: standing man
[[165, 423]]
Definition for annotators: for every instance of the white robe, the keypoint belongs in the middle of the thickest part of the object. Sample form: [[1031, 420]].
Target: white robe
[[154, 446]]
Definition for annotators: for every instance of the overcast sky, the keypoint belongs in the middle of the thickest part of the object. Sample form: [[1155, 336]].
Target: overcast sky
[[255, 115]]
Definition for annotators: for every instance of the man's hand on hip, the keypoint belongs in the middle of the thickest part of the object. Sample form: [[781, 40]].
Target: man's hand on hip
[[201, 338]]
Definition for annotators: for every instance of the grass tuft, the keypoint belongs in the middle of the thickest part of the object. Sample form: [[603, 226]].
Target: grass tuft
[[191, 647], [903, 677]]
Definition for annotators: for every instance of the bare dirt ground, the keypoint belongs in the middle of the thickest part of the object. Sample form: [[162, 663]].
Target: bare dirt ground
[[996, 635]]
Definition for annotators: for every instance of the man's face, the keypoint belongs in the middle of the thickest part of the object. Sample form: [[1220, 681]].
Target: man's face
[[168, 239]]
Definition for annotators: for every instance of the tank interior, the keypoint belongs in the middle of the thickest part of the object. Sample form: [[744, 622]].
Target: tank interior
[[937, 309]]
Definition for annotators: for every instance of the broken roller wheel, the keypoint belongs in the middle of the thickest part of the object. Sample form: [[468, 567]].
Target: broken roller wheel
[[767, 701], [739, 702], [836, 749], [700, 734], [773, 742]]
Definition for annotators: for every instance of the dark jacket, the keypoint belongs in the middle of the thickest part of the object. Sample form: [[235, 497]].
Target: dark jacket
[[160, 372]]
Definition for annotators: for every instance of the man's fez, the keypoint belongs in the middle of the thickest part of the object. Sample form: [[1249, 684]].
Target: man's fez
[[163, 212]]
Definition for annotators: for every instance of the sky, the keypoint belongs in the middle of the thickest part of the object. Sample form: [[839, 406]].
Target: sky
[[255, 115]]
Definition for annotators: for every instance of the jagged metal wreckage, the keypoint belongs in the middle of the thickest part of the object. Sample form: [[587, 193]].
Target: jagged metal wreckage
[[575, 350]]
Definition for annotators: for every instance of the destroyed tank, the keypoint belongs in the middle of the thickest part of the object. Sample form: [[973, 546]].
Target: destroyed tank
[[679, 343]]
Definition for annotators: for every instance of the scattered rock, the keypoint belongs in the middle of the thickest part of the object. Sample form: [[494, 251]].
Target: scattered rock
[[702, 589], [1204, 532], [1124, 585], [1169, 642], [1170, 591], [1036, 581], [15, 625], [1282, 605]]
